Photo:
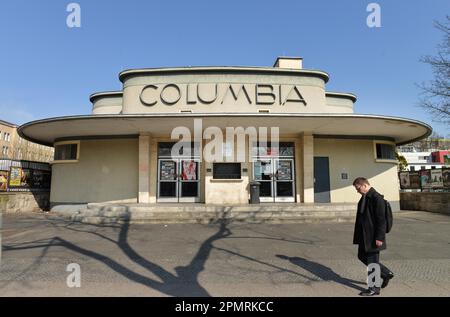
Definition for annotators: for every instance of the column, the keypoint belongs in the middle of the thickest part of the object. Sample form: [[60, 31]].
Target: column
[[144, 168], [308, 167]]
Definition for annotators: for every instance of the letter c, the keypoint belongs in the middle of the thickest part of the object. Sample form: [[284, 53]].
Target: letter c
[[152, 103]]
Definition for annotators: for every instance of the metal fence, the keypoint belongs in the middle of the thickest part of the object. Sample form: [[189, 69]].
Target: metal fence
[[19, 175], [425, 180]]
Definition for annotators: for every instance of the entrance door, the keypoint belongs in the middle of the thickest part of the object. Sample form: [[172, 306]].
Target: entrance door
[[277, 179], [178, 180], [321, 180], [284, 180]]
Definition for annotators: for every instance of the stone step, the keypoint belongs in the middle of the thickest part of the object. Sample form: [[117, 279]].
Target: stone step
[[218, 208], [143, 216], [96, 213]]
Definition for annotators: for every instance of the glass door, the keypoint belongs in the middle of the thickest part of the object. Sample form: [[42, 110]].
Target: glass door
[[178, 180], [277, 179], [263, 173], [189, 180], [167, 180], [284, 180]]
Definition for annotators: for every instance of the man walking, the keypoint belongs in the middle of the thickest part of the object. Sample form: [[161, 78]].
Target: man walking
[[370, 231]]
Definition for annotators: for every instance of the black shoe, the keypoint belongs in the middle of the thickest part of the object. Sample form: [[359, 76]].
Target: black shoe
[[371, 291], [387, 279]]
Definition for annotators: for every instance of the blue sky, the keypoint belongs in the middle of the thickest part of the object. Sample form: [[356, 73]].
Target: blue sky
[[50, 70]]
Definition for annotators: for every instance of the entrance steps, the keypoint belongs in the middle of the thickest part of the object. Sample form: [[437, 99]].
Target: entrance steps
[[95, 213]]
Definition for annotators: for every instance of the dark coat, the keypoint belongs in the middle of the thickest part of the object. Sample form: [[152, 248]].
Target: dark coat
[[370, 223]]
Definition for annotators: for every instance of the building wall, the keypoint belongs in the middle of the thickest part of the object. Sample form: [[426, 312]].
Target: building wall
[[107, 170], [17, 148], [228, 191], [433, 202], [356, 158], [7, 146], [312, 89], [107, 105]]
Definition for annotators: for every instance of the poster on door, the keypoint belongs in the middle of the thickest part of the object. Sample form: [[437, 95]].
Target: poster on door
[[284, 170], [189, 171], [167, 172]]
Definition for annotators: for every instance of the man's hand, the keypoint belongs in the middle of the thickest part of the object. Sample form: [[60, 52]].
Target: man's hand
[[378, 243]]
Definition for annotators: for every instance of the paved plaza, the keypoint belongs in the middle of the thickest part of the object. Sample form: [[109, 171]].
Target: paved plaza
[[235, 259]]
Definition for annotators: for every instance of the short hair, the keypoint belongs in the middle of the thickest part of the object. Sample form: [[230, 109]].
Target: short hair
[[360, 181]]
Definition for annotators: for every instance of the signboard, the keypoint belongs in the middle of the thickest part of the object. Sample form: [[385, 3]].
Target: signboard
[[15, 177], [447, 159], [436, 178], [414, 180], [189, 170], [3, 180], [446, 177], [26, 179], [425, 178], [284, 171], [404, 180], [168, 170]]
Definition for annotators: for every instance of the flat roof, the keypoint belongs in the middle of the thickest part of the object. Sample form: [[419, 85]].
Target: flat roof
[[400, 130], [223, 69]]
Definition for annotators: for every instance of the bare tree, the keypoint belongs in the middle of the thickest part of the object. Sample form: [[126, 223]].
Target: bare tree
[[436, 93]]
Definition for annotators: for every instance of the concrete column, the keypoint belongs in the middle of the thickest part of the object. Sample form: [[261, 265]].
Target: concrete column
[[153, 169], [144, 168], [298, 169], [308, 167]]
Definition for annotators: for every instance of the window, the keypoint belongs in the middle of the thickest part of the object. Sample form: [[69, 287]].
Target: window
[[66, 152], [412, 168], [385, 151], [165, 149], [227, 171], [283, 149]]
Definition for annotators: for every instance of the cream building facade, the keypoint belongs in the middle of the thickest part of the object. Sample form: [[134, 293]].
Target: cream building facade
[[16, 148], [122, 151]]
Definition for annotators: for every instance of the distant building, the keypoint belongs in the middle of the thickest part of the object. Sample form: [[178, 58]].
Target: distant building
[[14, 147], [425, 159]]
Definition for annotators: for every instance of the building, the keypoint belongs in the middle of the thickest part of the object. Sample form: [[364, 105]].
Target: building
[[442, 157], [122, 152], [16, 148], [426, 160]]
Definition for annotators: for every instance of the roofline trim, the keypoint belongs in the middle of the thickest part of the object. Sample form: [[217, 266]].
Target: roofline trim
[[100, 94], [220, 69], [234, 114], [346, 95]]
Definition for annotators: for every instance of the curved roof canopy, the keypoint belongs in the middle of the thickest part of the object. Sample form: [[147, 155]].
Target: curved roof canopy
[[399, 130]]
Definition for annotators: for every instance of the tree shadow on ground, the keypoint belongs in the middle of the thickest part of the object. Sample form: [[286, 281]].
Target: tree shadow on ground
[[185, 281], [321, 271]]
